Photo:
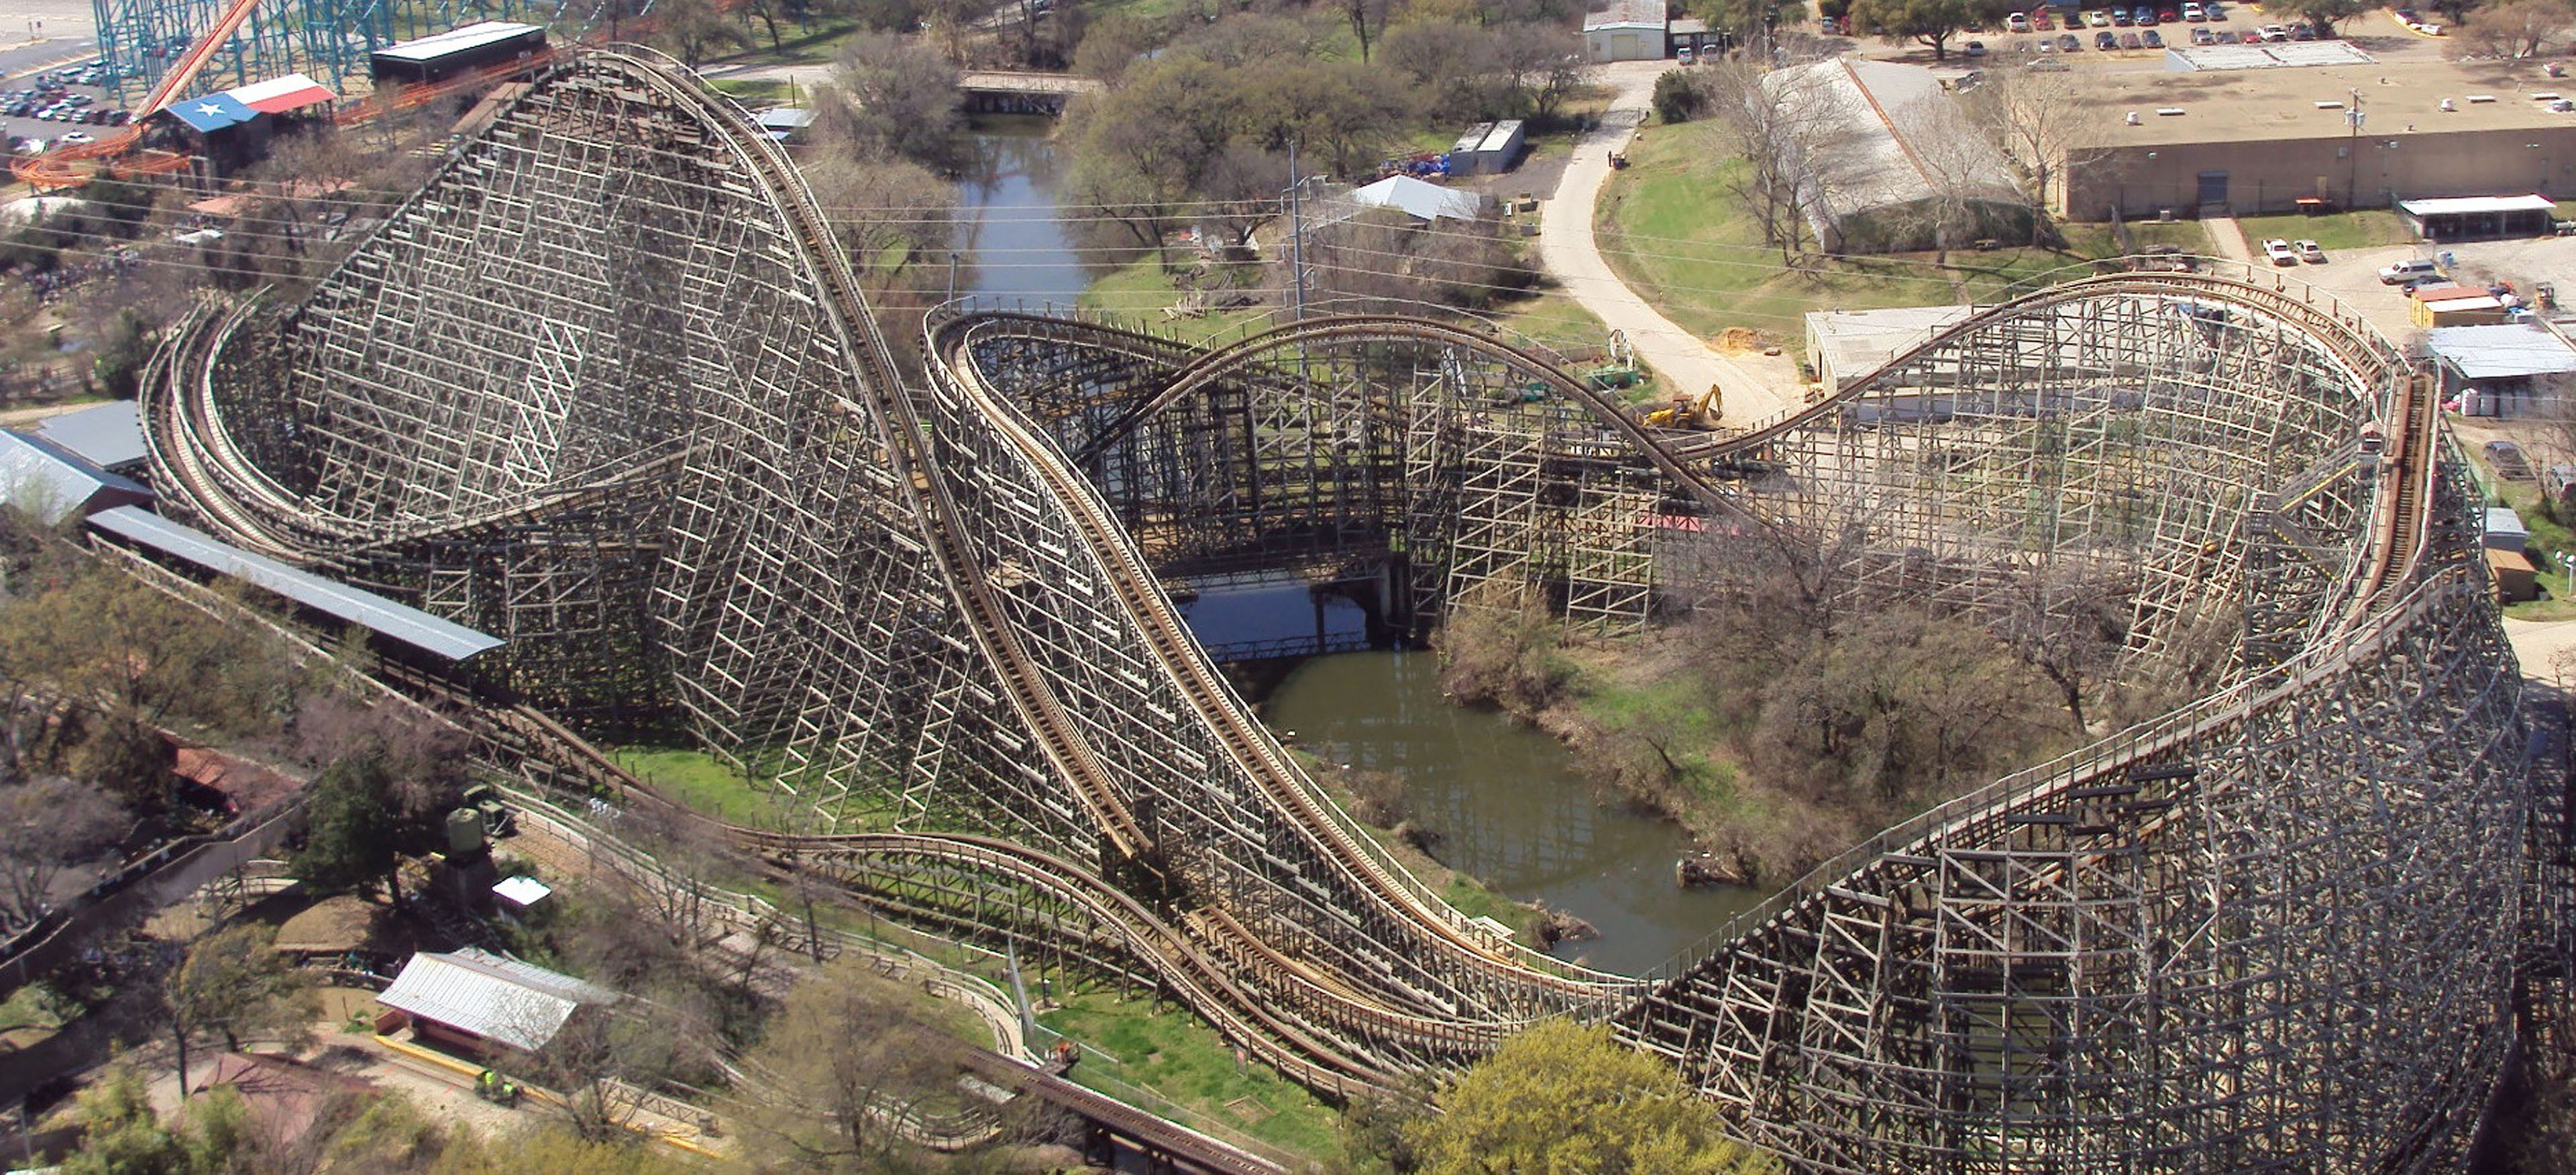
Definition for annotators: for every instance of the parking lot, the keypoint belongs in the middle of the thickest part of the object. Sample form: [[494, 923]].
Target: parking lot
[[58, 106], [2374, 32]]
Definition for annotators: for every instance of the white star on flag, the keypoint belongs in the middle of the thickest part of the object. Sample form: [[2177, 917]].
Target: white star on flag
[[209, 109]]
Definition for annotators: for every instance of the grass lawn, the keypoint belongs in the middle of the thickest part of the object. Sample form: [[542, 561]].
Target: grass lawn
[[739, 88], [2367, 229], [1140, 292], [816, 46], [697, 781], [1669, 226], [1170, 1051]]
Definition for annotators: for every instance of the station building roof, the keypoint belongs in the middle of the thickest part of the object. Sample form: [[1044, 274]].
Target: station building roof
[[377, 614], [108, 435], [456, 40]]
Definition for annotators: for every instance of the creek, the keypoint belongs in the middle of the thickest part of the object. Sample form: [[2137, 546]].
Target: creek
[[1506, 801]]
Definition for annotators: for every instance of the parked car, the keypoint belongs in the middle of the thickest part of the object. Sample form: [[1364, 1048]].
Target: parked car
[[2097, 18], [2273, 32], [2227, 36], [2041, 21], [2146, 18], [2202, 36], [76, 137], [2120, 17], [2310, 252], [2131, 41], [31, 147], [2106, 39], [2404, 270], [2066, 43], [1973, 49], [2216, 10], [2018, 22], [2279, 251], [2302, 31], [2154, 39], [2508, 460]]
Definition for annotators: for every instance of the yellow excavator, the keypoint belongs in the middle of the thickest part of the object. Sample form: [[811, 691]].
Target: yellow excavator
[[1700, 412]]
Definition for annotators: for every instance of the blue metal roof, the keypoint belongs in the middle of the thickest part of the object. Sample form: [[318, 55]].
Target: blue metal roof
[[401, 622], [105, 435], [212, 113]]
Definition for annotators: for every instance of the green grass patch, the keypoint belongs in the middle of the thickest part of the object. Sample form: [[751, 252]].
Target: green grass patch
[[2369, 229], [697, 781], [810, 46], [1142, 290], [1675, 233], [1171, 1052], [755, 88]]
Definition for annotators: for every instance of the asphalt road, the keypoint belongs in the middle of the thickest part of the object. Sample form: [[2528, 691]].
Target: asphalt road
[[1570, 254]]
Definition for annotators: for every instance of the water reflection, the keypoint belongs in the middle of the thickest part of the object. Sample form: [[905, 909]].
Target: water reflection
[[1009, 240], [1507, 803]]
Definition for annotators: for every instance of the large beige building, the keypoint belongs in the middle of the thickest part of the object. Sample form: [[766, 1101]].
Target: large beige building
[[2258, 140]]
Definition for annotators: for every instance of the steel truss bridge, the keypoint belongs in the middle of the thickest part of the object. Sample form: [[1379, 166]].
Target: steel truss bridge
[[605, 387]]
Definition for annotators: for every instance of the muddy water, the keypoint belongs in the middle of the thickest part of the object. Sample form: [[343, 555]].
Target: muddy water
[[1507, 804]]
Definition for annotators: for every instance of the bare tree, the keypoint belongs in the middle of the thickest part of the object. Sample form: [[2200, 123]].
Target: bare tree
[[47, 825], [851, 1060], [2043, 127], [2512, 28], [1774, 118], [2071, 623]]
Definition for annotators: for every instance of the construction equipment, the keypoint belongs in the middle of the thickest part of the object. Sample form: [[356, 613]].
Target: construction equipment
[[1698, 412]]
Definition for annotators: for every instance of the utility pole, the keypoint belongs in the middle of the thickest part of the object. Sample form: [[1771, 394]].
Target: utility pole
[[1296, 235], [2352, 155]]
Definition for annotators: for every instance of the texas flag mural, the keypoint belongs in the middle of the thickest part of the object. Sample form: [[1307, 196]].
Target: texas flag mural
[[233, 107]]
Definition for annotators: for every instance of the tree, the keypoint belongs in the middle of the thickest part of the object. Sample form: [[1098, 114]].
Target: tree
[[1563, 1097], [2043, 127], [122, 660], [1366, 18], [847, 1056], [891, 97], [120, 1135], [353, 835], [1772, 116], [692, 29], [2326, 14], [2069, 623], [1749, 21], [48, 824], [1678, 96], [1930, 22], [233, 982], [2512, 28]]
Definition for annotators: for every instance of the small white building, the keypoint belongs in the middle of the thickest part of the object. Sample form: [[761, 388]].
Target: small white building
[[1847, 344], [2511, 369], [1625, 30], [479, 1002], [1419, 199]]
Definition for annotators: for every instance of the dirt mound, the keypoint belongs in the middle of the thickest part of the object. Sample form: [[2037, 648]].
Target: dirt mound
[[1737, 340]]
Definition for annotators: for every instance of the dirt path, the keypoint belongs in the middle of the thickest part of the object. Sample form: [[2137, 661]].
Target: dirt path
[[1569, 252]]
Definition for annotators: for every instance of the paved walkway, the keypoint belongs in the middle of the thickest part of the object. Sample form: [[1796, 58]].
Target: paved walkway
[[2228, 237], [1569, 253]]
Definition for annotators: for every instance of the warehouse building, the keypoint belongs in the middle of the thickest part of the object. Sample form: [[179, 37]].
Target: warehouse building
[[1890, 162], [2249, 141], [1625, 30]]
